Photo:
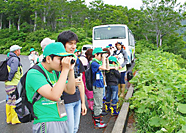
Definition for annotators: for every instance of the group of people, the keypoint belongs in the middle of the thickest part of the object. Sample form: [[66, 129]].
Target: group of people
[[63, 94]]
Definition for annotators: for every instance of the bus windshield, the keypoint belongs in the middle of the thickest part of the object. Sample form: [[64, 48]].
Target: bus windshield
[[110, 32]]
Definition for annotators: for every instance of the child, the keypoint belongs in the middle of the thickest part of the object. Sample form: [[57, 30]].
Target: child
[[112, 77], [47, 109], [33, 57], [98, 64]]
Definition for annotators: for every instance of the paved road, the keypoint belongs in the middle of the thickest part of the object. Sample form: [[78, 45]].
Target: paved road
[[86, 124]]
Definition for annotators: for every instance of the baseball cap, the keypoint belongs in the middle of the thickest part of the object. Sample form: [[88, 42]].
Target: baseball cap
[[76, 51], [107, 46], [112, 58], [119, 43], [32, 49], [110, 45], [45, 42], [14, 48], [98, 50], [55, 48]]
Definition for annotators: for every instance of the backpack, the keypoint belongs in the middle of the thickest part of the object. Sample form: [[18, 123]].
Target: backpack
[[3, 70], [129, 75], [89, 78], [24, 108]]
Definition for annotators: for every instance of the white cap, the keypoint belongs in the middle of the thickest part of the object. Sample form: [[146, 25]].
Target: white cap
[[45, 42], [14, 48]]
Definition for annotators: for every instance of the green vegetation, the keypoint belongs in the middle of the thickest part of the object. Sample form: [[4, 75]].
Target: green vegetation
[[27, 22], [159, 99]]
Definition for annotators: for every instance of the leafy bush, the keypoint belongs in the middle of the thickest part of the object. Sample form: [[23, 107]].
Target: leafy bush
[[143, 46], [159, 98]]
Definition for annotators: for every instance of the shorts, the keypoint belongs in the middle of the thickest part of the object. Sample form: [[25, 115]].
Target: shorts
[[51, 127], [122, 79]]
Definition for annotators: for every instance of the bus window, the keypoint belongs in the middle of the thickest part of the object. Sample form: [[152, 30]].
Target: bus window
[[111, 32]]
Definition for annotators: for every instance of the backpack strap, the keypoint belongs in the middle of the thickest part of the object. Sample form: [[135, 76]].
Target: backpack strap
[[95, 73], [57, 74], [37, 96], [41, 71]]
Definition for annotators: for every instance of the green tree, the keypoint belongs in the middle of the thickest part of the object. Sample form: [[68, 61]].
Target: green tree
[[160, 18]]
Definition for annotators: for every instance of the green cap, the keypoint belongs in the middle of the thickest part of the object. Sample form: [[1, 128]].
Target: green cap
[[98, 50], [107, 46], [55, 48], [112, 58], [76, 51], [32, 49]]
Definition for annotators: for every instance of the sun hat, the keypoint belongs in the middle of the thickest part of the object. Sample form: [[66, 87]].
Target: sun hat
[[98, 50], [45, 42], [112, 58], [32, 49], [55, 48], [14, 48]]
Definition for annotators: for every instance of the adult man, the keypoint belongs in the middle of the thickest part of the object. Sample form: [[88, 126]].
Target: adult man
[[44, 43], [51, 114], [75, 104], [15, 73]]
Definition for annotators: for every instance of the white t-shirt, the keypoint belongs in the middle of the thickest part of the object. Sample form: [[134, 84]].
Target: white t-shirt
[[33, 59]]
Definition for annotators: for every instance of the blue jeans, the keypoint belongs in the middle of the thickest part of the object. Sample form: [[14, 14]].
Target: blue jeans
[[73, 113], [112, 93]]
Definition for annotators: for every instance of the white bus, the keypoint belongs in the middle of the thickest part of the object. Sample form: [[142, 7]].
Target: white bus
[[104, 35]]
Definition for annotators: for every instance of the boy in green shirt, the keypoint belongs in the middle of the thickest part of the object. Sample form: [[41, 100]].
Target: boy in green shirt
[[48, 109]]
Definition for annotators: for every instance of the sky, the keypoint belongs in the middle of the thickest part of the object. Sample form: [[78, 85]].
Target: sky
[[129, 3]]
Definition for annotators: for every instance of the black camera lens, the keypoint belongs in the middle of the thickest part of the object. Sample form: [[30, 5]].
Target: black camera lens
[[72, 61]]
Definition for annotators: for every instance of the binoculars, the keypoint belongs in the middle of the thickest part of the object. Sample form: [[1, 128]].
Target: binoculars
[[71, 62]]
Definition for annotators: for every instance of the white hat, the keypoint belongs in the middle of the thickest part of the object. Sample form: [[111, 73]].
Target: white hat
[[14, 48], [45, 42]]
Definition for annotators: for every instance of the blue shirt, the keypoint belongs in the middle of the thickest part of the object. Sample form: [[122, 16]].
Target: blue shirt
[[99, 82]]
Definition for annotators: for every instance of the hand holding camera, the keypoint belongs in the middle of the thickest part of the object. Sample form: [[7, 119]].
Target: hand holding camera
[[78, 80], [68, 62]]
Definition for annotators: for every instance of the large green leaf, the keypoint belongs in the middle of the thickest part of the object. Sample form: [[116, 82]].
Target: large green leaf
[[155, 121], [182, 108]]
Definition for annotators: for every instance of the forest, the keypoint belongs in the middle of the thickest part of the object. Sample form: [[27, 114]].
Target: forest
[[159, 24]]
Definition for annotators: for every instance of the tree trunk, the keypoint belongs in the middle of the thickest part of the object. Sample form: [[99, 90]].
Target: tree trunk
[[9, 25], [18, 23], [157, 38], [1, 21], [44, 18], [160, 41], [35, 21]]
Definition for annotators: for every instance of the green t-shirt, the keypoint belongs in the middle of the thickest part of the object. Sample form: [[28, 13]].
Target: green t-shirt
[[45, 109]]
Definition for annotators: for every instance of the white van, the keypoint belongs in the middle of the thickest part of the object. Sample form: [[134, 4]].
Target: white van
[[85, 48]]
